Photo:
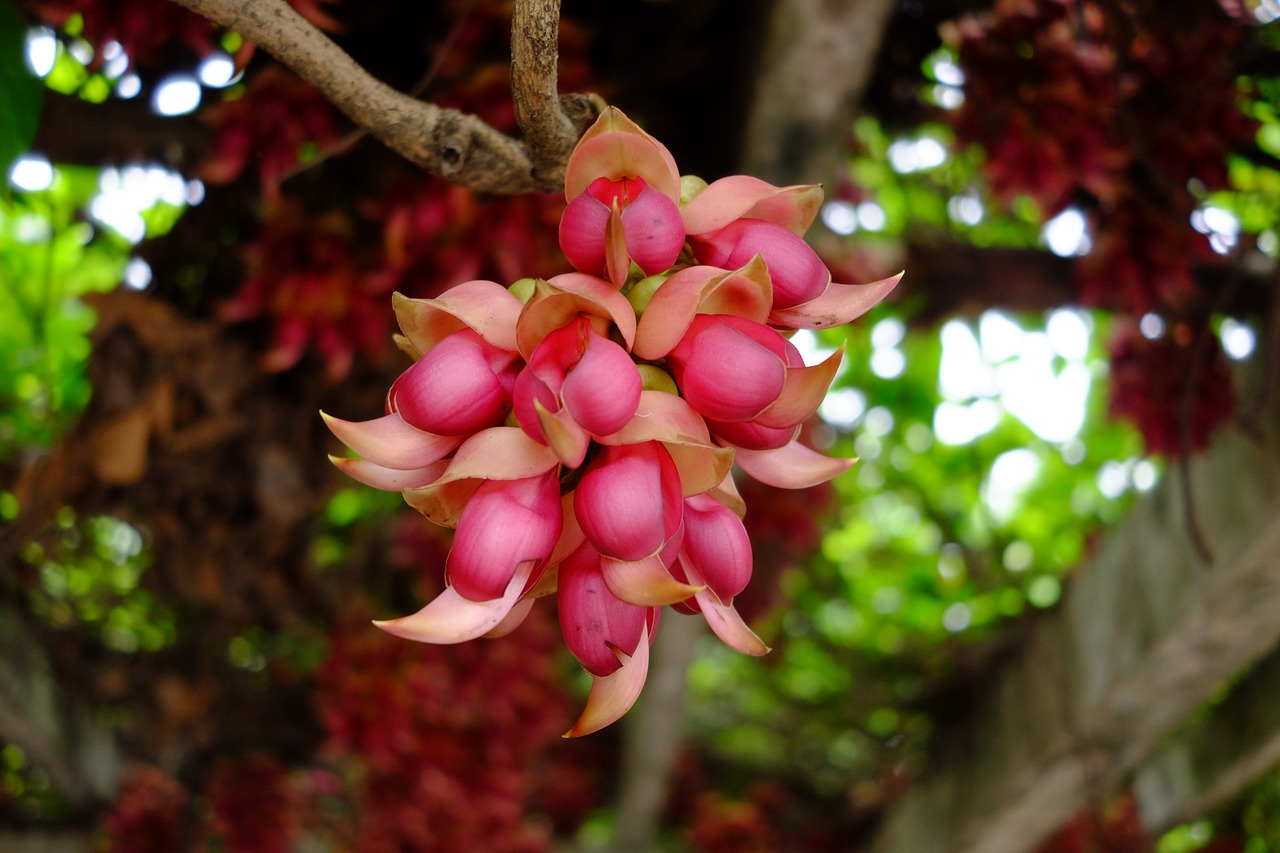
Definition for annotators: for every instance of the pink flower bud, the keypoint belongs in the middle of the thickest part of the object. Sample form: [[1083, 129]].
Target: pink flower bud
[[629, 502], [595, 623], [729, 368], [652, 230], [797, 272], [462, 385], [504, 524], [717, 544], [587, 374]]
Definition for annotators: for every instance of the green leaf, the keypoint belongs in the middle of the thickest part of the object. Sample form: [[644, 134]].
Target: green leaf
[[20, 90]]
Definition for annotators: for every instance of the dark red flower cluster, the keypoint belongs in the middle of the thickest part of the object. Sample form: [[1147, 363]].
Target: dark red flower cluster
[[1153, 380], [1114, 829], [446, 744], [255, 808], [307, 274], [149, 814], [1116, 117], [248, 129]]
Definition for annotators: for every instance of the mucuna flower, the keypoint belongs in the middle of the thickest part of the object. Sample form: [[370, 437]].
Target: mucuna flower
[[460, 387], [578, 384], [579, 432]]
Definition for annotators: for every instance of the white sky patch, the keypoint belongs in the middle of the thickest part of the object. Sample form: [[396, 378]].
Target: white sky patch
[[124, 193], [840, 216], [217, 71], [31, 173], [957, 424], [956, 617], [811, 350], [1052, 405], [1001, 337], [1151, 326], [965, 208], [1219, 225], [963, 373], [843, 407], [137, 274], [1067, 234], [1068, 332], [889, 332], [916, 155], [871, 216], [1238, 340], [81, 50], [1113, 478], [129, 86], [177, 94], [42, 50], [1145, 475], [888, 363], [1010, 475]]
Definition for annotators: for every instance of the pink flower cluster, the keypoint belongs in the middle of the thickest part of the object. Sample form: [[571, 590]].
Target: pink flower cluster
[[578, 432]]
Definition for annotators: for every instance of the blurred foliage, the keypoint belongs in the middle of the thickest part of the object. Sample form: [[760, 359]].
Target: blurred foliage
[[20, 91]]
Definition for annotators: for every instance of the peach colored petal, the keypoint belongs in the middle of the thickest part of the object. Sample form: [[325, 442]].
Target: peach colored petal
[[389, 442], [512, 620], [802, 393], [485, 306], [746, 292], [565, 437], [616, 147], [571, 535], [617, 260], [838, 304], [613, 695], [669, 419], [727, 493], [558, 301], [497, 453], [792, 466], [449, 618], [645, 582], [727, 624], [742, 196], [388, 479]]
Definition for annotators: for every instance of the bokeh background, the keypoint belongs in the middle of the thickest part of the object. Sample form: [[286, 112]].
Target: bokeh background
[[1040, 614]]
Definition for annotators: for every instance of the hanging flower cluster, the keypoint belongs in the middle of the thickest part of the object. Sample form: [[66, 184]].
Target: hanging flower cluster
[[578, 432]]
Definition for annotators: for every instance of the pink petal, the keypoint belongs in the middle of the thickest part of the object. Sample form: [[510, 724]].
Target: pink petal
[[746, 292], [462, 385], [671, 420], [505, 524], [450, 618], [724, 620], [388, 479], [724, 371], [717, 546], [645, 582], [654, 231], [485, 306], [559, 301], [582, 233], [793, 466], [616, 147], [613, 695], [797, 273], [751, 435], [390, 442], [742, 196], [595, 623], [837, 305], [803, 392], [603, 390], [629, 500]]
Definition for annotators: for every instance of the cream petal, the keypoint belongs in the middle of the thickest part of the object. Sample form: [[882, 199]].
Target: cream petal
[[449, 618], [804, 390], [616, 147], [556, 302], [645, 582], [388, 479], [737, 196], [613, 695], [485, 306], [745, 292], [837, 305], [792, 466], [389, 442], [512, 620]]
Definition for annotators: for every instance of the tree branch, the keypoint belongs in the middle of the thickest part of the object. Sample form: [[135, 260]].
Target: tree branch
[[454, 145], [551, 124]]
